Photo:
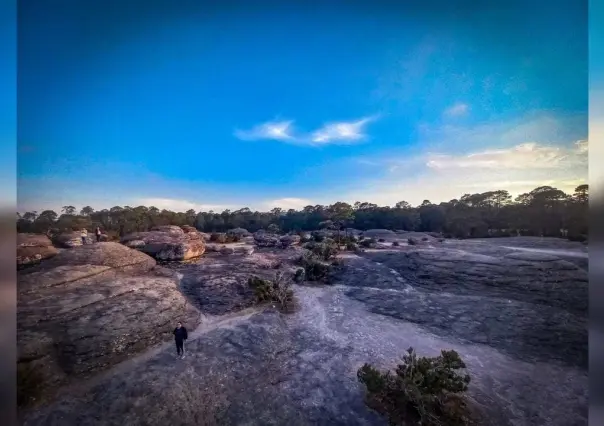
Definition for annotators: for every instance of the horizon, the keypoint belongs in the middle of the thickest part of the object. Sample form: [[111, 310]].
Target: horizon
[[182, 208], [215, 107]]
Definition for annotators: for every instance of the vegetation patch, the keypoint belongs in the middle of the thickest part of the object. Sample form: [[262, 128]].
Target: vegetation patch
[[368, 243], [315, 268], [30, 383], [278, 291], [327, 250], [422, 390], [224, 238]]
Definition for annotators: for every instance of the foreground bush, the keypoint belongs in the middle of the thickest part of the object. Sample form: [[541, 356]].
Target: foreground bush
[[325, 250], [278, 290], [426, 391], [315, 269]]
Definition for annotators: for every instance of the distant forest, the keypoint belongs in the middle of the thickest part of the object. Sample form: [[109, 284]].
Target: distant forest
[[544, 211]]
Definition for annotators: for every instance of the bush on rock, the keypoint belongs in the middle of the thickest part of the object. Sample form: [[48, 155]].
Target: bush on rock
[[422, 390], [315, 269], [278, 290]]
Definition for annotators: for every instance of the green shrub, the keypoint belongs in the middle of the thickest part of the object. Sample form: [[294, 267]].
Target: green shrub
[[300, 275], [426, 391], [30, 383], [411, 241], [367, 242], [381, 240], [278, 291], [577, 237], [318, 237], [218, 237], [424, 238], [350, 246], [326, 250], [315, 269], [233, 238], [396, 244]]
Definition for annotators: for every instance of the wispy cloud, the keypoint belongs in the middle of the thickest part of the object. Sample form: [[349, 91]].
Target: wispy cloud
[[334, 133], [271, 130], [288, 203], [178, 205], [457, 110], [517, 156], [341, 132], [525, 156]]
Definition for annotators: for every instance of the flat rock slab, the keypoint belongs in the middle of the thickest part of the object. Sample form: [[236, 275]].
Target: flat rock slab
[[300, 369], [218, 284], [525, 349]]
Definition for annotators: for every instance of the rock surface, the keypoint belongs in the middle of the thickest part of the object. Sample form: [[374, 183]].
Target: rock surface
[[167, 243], [71, 239], [32, 248], [241, 232], [91, 307], [522, 332], [188, 228], [379, 233]]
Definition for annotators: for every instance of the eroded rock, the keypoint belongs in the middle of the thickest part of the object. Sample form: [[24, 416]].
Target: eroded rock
[[91, 307], [167, 243], [33, 248]]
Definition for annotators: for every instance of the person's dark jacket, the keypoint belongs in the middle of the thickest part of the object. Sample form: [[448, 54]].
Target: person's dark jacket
[[180, 334]]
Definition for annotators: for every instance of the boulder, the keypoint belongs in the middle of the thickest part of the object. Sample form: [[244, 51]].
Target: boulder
[[188, 228], [379, 233], [213, 247], [89, 308], [32, 248], [227, 250], [71, 239], [166, 243], [241, 232], [171, 229], [289, 240], [264, 239]]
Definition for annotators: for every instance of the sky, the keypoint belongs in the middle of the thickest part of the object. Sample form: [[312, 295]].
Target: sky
[[215, 105]]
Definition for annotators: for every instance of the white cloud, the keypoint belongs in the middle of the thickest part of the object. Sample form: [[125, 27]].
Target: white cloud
[[525, 156], [516, 156], [178, 205], [341, 132], [457, 110], [288, 203], [335, 133], [272, 130]]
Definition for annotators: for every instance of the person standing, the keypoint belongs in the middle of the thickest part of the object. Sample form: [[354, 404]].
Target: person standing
[[97, 232], [180, 335], [84, 235]]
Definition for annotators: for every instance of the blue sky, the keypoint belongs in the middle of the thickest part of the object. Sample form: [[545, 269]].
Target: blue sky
[[212, 105]]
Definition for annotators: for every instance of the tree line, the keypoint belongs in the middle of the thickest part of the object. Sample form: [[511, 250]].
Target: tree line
[[544, 211]]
